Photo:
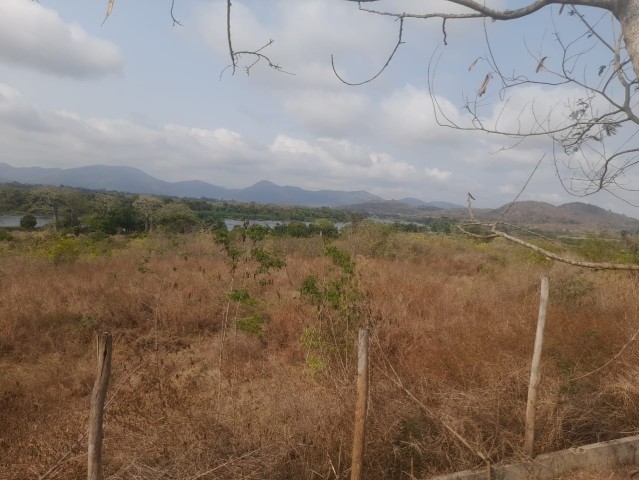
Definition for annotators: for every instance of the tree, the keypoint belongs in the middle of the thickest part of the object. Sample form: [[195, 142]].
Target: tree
[[113, 213], [175, 217], [28, 222], [595, 129], [48, 200], [147, 206]]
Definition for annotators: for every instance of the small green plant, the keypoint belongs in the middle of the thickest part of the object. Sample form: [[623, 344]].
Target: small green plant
[[241, 296], [315, 364], [267, 260], [65, 250], [341, 258], [5, 236], [251, 324], [317, 347], [310, 289], [88, 322]]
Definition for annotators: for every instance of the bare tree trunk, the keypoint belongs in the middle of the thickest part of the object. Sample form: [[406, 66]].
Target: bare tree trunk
[[56, 217], [627, 12], [529, 437], [362, 405], [98, 398]]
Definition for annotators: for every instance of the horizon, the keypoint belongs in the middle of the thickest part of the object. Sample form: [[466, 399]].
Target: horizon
[[430, 201]]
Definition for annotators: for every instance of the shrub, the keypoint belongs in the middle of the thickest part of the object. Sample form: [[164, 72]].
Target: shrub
[[5, 236], [28, 222]]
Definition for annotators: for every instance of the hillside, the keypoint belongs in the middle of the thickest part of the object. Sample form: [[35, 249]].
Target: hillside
[[574, 216]]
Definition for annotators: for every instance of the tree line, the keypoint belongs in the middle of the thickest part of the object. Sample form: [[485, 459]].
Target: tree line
[[81, 210]]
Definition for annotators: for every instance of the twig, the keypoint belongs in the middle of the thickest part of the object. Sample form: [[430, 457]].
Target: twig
[[390, 58], [398, 381], [229, 462], [228, 34], [632, 339], [520, 192], [175, 20]]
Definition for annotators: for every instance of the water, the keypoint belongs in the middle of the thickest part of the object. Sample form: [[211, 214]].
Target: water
[[14, 220], [231, 223]]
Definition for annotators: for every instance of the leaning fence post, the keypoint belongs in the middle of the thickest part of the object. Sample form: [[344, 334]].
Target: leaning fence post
[[362, 404], [529, 436], [98, 397]]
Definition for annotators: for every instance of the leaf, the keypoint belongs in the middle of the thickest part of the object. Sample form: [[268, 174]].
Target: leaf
[[109, 10], [473, 64], [540, 65], [601, 69], [484, 85]]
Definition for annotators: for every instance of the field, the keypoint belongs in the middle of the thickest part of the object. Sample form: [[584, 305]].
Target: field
[[236, 358]]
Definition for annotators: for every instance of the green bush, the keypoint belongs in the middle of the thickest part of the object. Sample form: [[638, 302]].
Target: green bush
[[341, 258], [28, 222]]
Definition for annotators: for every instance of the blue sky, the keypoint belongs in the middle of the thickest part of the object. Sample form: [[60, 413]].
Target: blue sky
[[141, 92]]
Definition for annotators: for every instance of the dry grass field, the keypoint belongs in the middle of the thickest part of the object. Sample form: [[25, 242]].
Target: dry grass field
[[222, 372]]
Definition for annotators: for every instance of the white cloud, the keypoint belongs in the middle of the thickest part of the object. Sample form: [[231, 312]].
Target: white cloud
[[327, 113], [32, 136], [34, 36], [349, 165], [409, 117], [437, 174]]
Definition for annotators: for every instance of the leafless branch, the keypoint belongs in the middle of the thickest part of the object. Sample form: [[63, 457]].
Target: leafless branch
[[175, 20], [388, 61], [615, 357], [255, 54], [507, 209]]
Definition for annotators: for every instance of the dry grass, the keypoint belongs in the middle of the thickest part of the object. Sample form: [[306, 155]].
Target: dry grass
[[195, 391]]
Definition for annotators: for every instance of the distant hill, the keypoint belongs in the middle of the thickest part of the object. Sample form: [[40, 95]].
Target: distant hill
[[393, 209], [133, 180], [569, 216], [421, 203], [268, 192], [573, 217]]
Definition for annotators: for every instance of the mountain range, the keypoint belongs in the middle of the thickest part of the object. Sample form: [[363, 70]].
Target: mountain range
[[575, 216], [133, 180]]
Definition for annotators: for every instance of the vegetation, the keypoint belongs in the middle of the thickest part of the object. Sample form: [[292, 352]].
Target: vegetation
[[81, 210], [28, 222], [235, 351]]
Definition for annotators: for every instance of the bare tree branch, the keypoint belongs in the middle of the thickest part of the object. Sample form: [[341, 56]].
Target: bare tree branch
[[390, 58], [255, 54], [175, 21]]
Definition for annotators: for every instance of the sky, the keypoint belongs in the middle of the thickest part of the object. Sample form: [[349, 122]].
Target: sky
[[142, 92]]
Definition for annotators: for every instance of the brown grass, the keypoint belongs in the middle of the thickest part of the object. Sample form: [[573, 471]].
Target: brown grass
[[194, 391]]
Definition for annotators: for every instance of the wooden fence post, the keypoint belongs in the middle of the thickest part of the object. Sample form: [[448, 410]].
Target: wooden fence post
[[361, 406], [98, 397], [529, 436]]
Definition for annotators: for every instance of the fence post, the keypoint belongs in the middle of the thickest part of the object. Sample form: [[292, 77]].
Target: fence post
[[362, 404], [529, 436], [98, 397]]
